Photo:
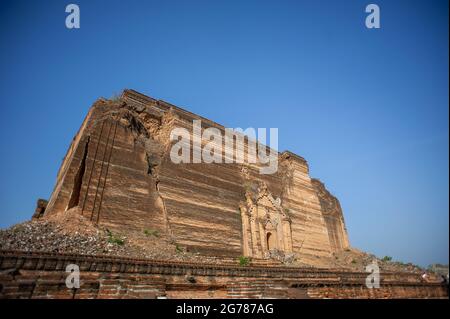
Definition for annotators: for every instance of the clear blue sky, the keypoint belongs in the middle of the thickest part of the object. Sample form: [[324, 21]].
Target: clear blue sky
[[367, 108]]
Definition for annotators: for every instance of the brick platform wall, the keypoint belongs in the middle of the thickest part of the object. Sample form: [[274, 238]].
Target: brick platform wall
[[42, 276]]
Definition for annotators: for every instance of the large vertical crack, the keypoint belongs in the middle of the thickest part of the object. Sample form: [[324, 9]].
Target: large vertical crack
[[78, 180], [145, 129], [152, 171], [166, 215]]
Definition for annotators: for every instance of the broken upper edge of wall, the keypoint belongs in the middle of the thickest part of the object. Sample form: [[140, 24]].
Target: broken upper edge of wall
[[135, 96]]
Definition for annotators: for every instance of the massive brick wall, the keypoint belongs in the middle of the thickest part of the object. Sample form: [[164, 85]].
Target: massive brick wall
[[332, 214], [42, 276], [118, 171]]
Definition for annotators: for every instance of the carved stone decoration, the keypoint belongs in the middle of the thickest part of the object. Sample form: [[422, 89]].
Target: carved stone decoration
[[266, 226]]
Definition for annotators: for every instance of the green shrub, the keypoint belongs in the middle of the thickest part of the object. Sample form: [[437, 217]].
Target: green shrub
[[178, 249], [387, 258], [244, 261]]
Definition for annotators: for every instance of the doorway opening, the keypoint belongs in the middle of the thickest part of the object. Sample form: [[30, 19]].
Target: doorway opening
[[271, 241]]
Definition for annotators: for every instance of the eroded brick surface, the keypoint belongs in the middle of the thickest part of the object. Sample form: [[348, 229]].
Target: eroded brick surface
[[42, 276], [118, 172]]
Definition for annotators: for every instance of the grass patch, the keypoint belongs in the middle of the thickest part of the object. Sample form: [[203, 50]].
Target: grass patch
[[18, 228], [151, 232], [178, 249], [114, 239]]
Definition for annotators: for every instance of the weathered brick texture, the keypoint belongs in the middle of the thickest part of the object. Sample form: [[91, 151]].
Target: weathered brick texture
[[42, 276], [119, 172]]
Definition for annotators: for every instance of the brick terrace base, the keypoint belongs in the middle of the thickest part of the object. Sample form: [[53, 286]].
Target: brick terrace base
[[43, 275]]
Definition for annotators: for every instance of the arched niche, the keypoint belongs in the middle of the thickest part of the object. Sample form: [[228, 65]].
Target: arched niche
[[271, 239]]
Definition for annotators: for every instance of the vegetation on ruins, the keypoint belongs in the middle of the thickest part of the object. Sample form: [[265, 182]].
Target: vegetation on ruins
[[249, 186], [114, 239], [151, 232], [287, 211], [244, 261], [115, 97]]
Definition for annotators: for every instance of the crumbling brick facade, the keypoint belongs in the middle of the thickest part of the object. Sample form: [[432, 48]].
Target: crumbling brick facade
[[119, 173]]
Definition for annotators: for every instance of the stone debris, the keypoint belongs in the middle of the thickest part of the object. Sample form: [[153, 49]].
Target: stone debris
[[357, 260], [69, 235]]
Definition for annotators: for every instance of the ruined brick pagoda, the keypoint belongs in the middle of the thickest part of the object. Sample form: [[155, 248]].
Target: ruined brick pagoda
[[118, 176], [118, 171]]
